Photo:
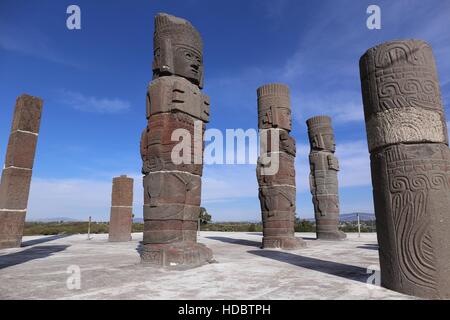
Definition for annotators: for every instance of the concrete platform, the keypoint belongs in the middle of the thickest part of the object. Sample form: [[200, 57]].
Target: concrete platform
[[42, 268]]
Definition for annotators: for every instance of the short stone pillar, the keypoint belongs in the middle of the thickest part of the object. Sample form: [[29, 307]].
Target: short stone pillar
[[410, 163], [276, 168], [176, 113], [16, 175], [323, 178], [121, 220]]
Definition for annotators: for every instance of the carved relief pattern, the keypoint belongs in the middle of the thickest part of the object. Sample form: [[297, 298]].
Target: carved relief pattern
[[172, 190], [277, 188], [410, 159]]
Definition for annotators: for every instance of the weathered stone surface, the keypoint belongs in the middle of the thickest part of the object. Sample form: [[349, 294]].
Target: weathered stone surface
[[402, 98], [323, 178], [277, 198], [285, 143], [412, 202], [21, 150], [171, 211], [120, 224], [172, 187], [122, 191], [16, 175], [172, 147], [178, 49], [11, 228], [275, 170], [27, 114], [160, 153], [121, 219], [410, 164], [169, 231], [274, 107], [171, 94], [176, 255], [285, 174], [15, 188]]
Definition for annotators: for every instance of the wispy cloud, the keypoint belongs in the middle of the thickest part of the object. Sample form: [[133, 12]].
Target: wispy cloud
[[31, 42], [81, 102], [77, 198]]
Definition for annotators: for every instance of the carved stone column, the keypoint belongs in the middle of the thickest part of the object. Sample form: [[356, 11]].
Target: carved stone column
[[16, 175], [410, 162], [121, 221], [323, 178], [176, 112], [276, 168]]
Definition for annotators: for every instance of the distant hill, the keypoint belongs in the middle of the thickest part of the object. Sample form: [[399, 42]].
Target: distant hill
[[56, 219], [138, 220], [354, 217], [346, 217]]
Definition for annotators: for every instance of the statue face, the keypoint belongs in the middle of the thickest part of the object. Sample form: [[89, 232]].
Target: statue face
[[188, 63], [285, 119], [328, 142], [323, 141]]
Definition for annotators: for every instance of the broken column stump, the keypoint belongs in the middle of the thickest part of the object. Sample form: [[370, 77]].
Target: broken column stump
[[121, 220], [16, 175]]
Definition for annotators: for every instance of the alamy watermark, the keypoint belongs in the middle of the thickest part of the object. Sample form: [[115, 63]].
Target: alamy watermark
[[374, 20], [239, 146], [73, 21], [73, 282]]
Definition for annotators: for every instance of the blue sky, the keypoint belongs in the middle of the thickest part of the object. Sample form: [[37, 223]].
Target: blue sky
[[93, 82]]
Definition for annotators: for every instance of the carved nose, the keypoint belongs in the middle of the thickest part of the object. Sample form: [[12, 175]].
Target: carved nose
[[195, 66]]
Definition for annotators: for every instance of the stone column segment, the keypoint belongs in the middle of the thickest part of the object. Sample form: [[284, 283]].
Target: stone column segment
[[323, 178], [410, 164], [121, 220], [16, 175], [277, 190], [172, 176]]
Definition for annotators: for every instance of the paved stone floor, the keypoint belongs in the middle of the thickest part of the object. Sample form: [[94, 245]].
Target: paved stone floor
[[323, 270]]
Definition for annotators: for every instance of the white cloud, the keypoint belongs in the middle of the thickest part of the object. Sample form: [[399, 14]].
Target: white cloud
[[85, 103], [31, 42], [77, 198], [223, 183], [342, 106]]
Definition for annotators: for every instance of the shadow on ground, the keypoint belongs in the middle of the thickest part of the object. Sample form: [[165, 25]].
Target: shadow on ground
[[333, 268], [241, 242], [30, 243], [369, 246], [12, 259]]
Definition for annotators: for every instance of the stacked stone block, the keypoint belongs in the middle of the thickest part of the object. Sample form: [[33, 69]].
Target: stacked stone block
[[121, 220], [16, 175]]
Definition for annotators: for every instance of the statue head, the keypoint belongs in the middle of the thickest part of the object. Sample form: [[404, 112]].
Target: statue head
[[178, 49], [321, 135], [274, 107]]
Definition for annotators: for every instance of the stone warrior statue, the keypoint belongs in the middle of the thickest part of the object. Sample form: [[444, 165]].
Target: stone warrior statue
[[276, 168], [410, 162], [172, 188], [323, 178]]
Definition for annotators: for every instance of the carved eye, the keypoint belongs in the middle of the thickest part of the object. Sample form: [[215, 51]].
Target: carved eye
[[188, 55]]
